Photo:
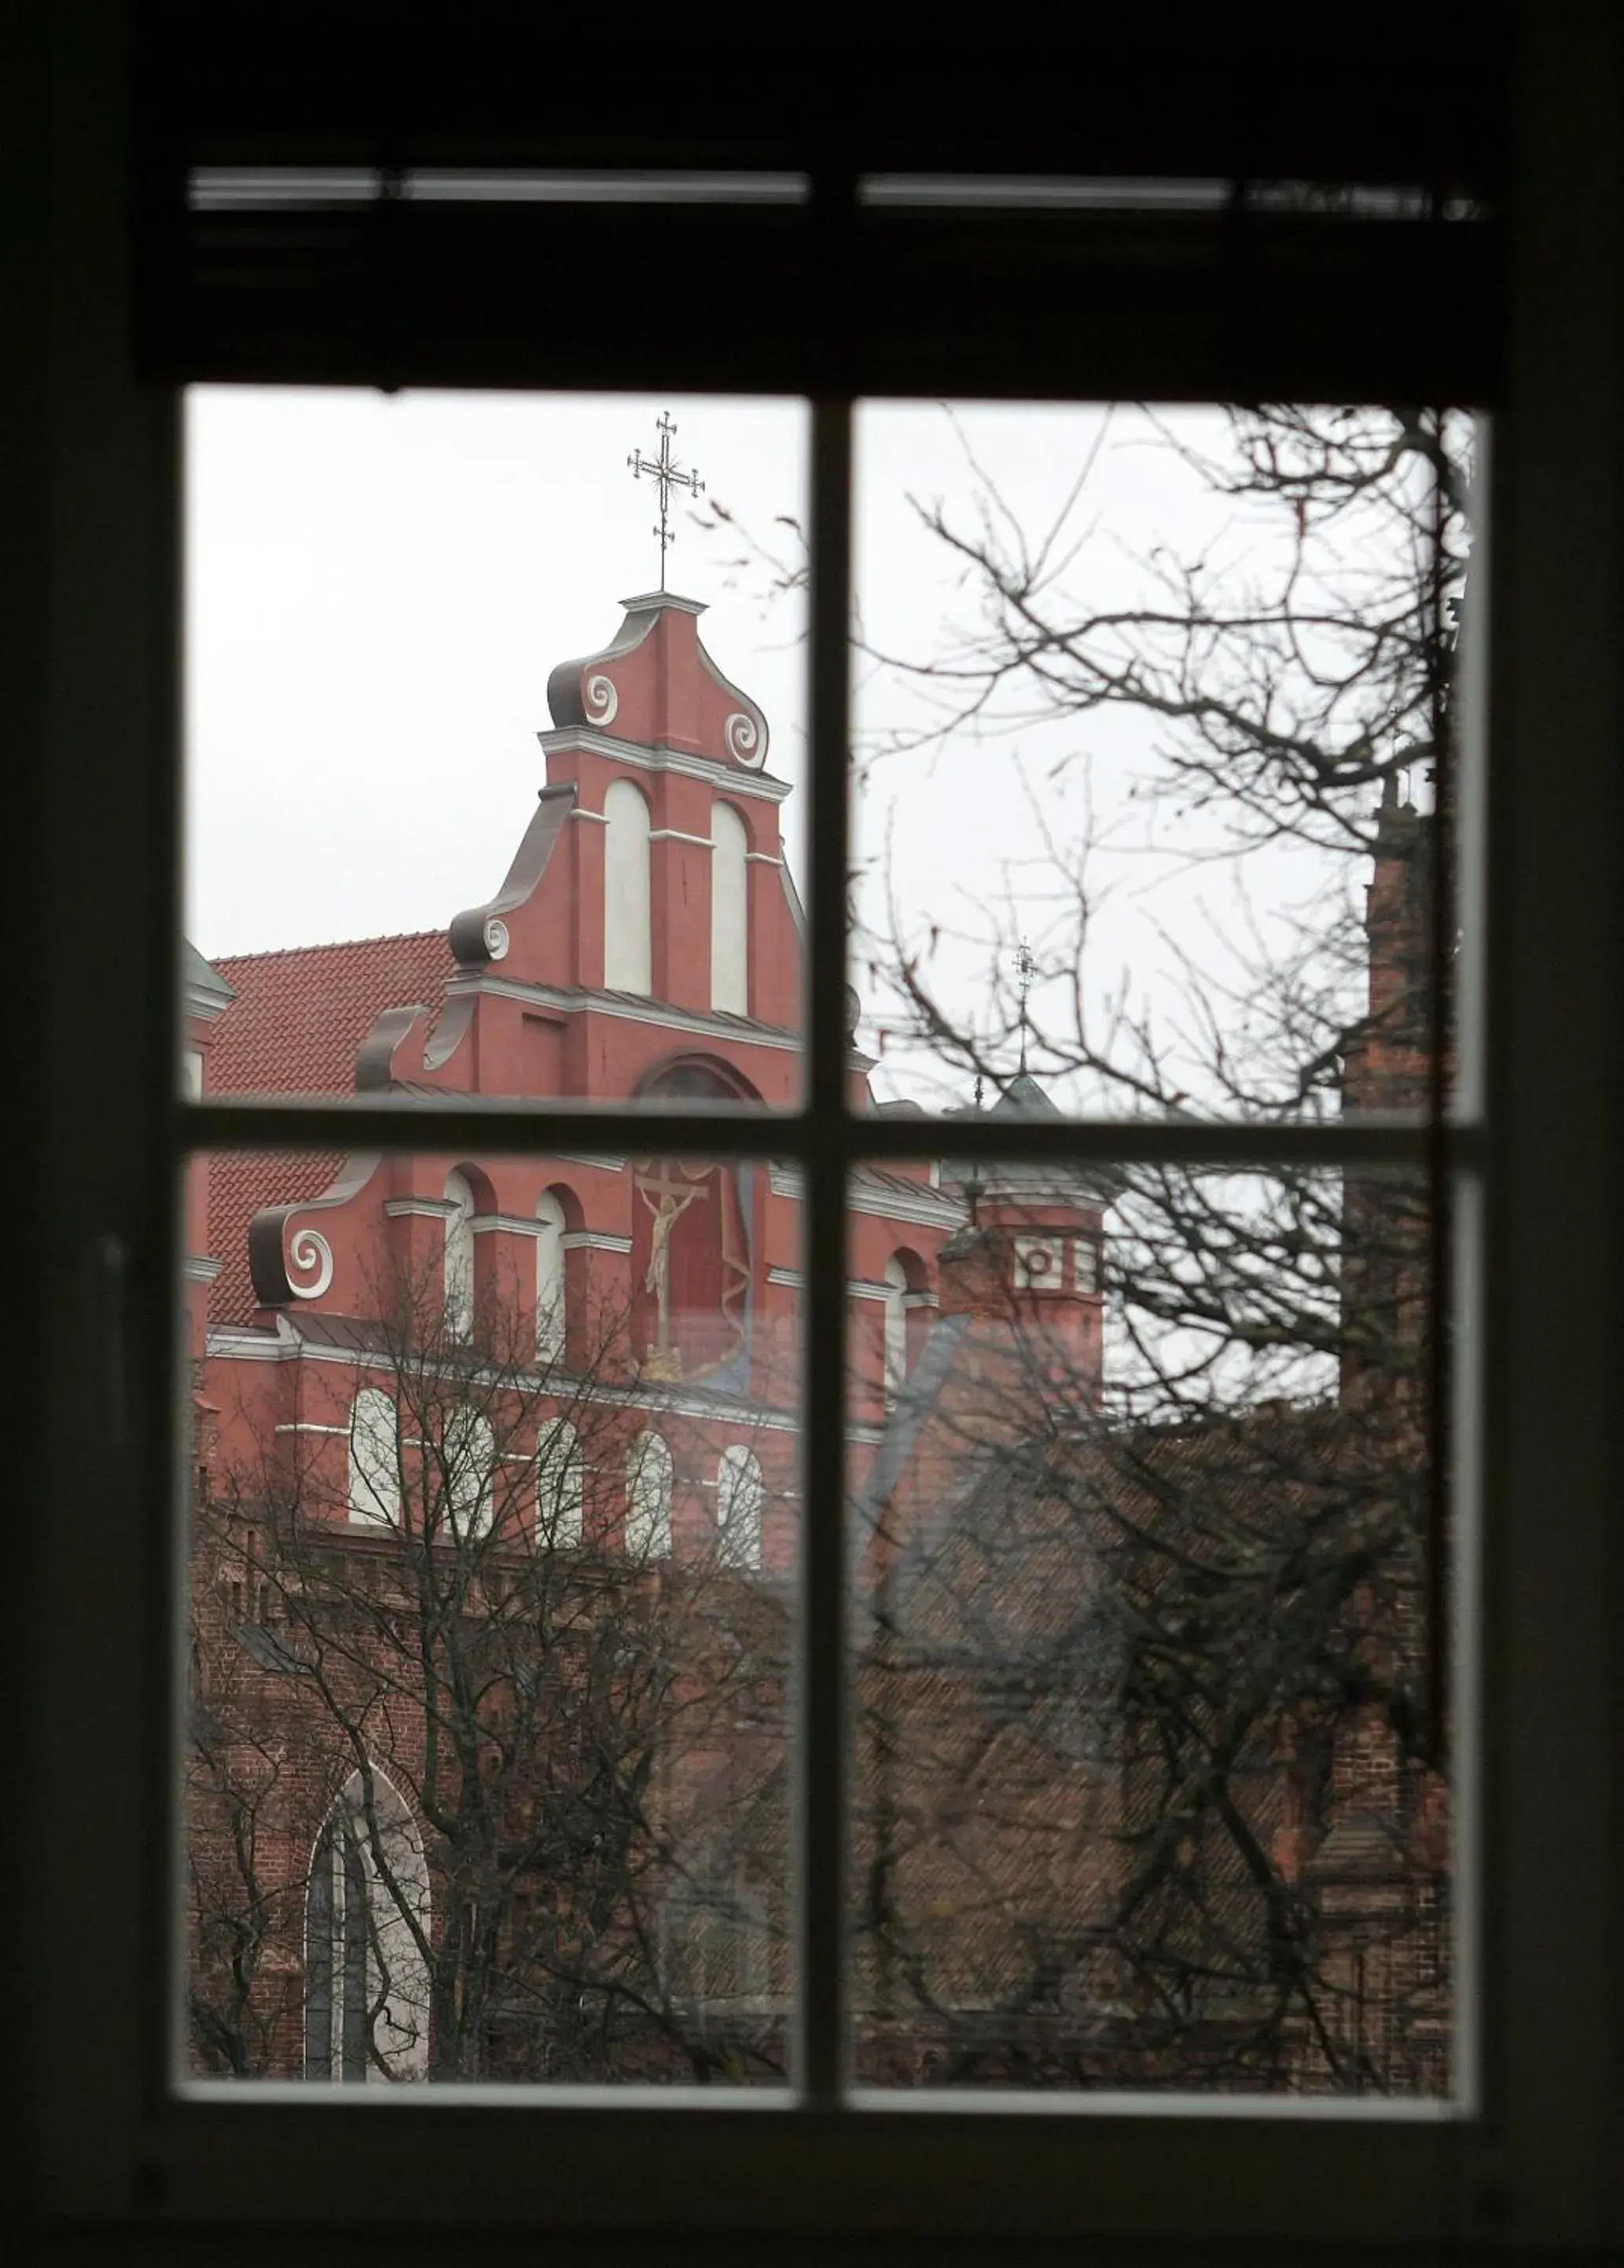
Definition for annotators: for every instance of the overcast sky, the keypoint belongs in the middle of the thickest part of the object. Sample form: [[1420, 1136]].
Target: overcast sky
[[379, 586]]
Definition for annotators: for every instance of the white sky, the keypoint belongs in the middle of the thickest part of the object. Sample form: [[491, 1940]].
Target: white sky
[[379, 586]]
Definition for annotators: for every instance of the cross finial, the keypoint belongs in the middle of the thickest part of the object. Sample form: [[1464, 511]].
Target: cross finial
[[1025, 968], [666, 475]]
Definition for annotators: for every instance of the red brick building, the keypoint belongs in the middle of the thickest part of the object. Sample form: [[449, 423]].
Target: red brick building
[[527, 1376], [499, 1516]]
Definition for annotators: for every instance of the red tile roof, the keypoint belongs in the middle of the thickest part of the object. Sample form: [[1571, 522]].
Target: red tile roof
[[293, 1028]]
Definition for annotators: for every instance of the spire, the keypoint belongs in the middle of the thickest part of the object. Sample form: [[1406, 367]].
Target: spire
[[1025, 967]]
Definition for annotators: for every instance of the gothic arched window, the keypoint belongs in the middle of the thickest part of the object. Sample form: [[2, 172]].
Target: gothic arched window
[[648, 1498], [550, 1225], [560, 1474], [458, 1257], [730, 911], [366, 1929], [374, 1471], [627, 961], [739, 1508]]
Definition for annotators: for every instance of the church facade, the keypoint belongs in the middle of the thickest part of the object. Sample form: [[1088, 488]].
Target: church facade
[[496, 1517], [613, 1343]]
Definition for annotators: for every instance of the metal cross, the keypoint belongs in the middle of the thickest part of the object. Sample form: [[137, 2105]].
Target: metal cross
[[667, 476]]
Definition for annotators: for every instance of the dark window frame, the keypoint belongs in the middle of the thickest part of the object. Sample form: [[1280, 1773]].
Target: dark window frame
[[115, 2137]]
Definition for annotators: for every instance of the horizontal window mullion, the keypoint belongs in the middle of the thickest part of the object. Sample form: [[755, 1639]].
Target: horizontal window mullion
[[320, 1122], [300, 1122]]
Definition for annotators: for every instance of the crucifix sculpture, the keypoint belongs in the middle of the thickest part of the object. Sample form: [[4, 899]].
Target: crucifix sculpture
[[666, 475], [668, 1194]]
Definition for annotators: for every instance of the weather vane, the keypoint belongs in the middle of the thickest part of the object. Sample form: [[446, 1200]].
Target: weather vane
[[1025, 968], [667, 476]]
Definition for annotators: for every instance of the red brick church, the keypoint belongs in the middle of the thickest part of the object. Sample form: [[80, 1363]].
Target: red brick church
[[498, 1510]]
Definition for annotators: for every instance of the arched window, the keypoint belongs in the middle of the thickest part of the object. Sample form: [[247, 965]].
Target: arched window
[[739, 1509], [628, 965], [366, 1931], [559, 1476], [549, 1278], [469, 1453], [895, 1351], [730, 918], [374, 1470], [458, 1257], [648, 1498]]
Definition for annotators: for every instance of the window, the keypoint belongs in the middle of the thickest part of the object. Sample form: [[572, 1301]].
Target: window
[[648, 1498], [1164, 324], [367, 1917], [628, 965], [560, 1477], [550, 1257], [374, 1471], [730, 911], [894, 1327], [462, 1471], [739, 1508], [459, 1256]]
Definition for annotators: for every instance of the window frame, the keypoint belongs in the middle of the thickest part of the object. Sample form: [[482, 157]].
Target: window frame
[[114, 2137]]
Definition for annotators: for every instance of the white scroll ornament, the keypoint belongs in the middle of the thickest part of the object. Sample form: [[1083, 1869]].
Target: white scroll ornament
[[308, 1249], [746, 742], [600, 701], [496, 939]]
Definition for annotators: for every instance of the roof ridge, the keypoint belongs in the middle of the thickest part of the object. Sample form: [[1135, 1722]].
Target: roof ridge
[[330, 944]]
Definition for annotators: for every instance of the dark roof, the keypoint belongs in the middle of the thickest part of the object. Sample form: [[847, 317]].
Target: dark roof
[[201, 977], [1024, 1098]]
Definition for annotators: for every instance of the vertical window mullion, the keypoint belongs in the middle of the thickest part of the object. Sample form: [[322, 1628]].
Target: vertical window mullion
[[820, 1715]]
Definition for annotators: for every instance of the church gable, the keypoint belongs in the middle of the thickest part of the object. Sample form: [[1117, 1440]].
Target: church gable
[[655, 685]]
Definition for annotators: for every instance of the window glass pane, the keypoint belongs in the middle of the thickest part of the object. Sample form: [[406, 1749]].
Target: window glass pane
[[391, 886], [490, 1595], [1152, 719], [1147, 1787]]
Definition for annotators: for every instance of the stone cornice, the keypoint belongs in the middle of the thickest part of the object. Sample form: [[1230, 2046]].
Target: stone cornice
[[565, 740]]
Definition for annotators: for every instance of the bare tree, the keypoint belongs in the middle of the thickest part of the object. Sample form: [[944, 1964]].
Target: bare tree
[[486, 1778], [1154, 1765]]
